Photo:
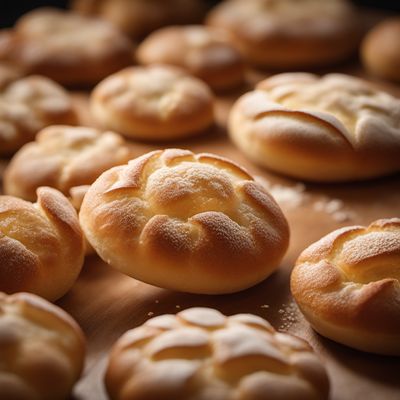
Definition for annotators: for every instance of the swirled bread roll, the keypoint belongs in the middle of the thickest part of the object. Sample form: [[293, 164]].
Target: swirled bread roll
[[202, 51], [41, 245], [330, 128], [380, 49], [289, 33], [195, 223], [157, 102], [28, 105], [42, 349], [202, 354], [138, 18], [347, 286], [69, 48], [63, 157]]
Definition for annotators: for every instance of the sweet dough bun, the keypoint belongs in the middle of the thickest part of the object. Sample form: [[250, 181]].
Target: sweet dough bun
[[137, 18], [41, 245], [42, 349], [28, 105], [157, 102], [194, 223], [347, 286], [289, 33], [202, 354], [69, 48], [202, 51], [380, 50], [63, 157], [333, 128]]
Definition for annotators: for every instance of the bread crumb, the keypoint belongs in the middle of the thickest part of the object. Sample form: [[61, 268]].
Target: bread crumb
[[335, 208], [177, 306], [288, 314], [290, 196], [264, 306], [150, 314]]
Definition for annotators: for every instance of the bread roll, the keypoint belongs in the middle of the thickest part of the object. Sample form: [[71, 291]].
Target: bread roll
[[138, 18], [28, 105], [153, 103], [41, 245], [194, 223], [333, 128], [63, 157], [347, 286], [42, 349], [290, 34], [69, 48], [201, 354], [204, 52], [380, 50]]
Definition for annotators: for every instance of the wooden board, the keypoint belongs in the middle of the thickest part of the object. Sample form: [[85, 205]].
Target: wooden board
[[107, 303]]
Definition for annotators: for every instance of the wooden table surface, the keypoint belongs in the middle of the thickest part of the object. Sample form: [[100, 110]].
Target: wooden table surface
[[106, 303]]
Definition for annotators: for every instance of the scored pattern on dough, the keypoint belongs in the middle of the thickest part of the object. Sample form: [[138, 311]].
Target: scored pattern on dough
[[359, 109], [37, 338], [63, 157], [201, 351], [182, 185], [28, 105]]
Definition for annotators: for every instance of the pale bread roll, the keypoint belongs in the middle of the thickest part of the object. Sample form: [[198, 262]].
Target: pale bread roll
[[42, 349], [27, 105], [41, 245], [194, 223], [330, 128], [202, 354], [63, 157], [153, 103], [380, 50], [287, 34], [347, 286], [69, 48], [202, 51]]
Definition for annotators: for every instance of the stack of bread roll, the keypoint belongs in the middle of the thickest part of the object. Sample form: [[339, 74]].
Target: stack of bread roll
[[124, 127]]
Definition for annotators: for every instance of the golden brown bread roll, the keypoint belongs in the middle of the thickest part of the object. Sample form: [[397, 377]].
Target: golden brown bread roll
[[28, 105], [202, 51], [71, 49], [194, 223], [157, 102], [202, 354], [380, 49], [138, 18], [347, 286], [330, 128], [41, 245], [63, 157], [289, 33], [42, 349]]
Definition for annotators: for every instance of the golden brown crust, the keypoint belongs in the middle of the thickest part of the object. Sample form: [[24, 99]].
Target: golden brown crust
[[28, 105], [137, 18], [289, 34], [347, 285], [380, 49], [157, 102], [195, 223], [63, 157], [41, 245], [202, 51], [49, 42], [334, 128], [200, 353], [42, 349]]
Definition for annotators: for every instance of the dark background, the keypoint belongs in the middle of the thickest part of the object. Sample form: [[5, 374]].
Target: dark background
[[10, 10]]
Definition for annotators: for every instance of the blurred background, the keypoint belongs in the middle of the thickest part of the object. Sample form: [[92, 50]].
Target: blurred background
[[10, 11]]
